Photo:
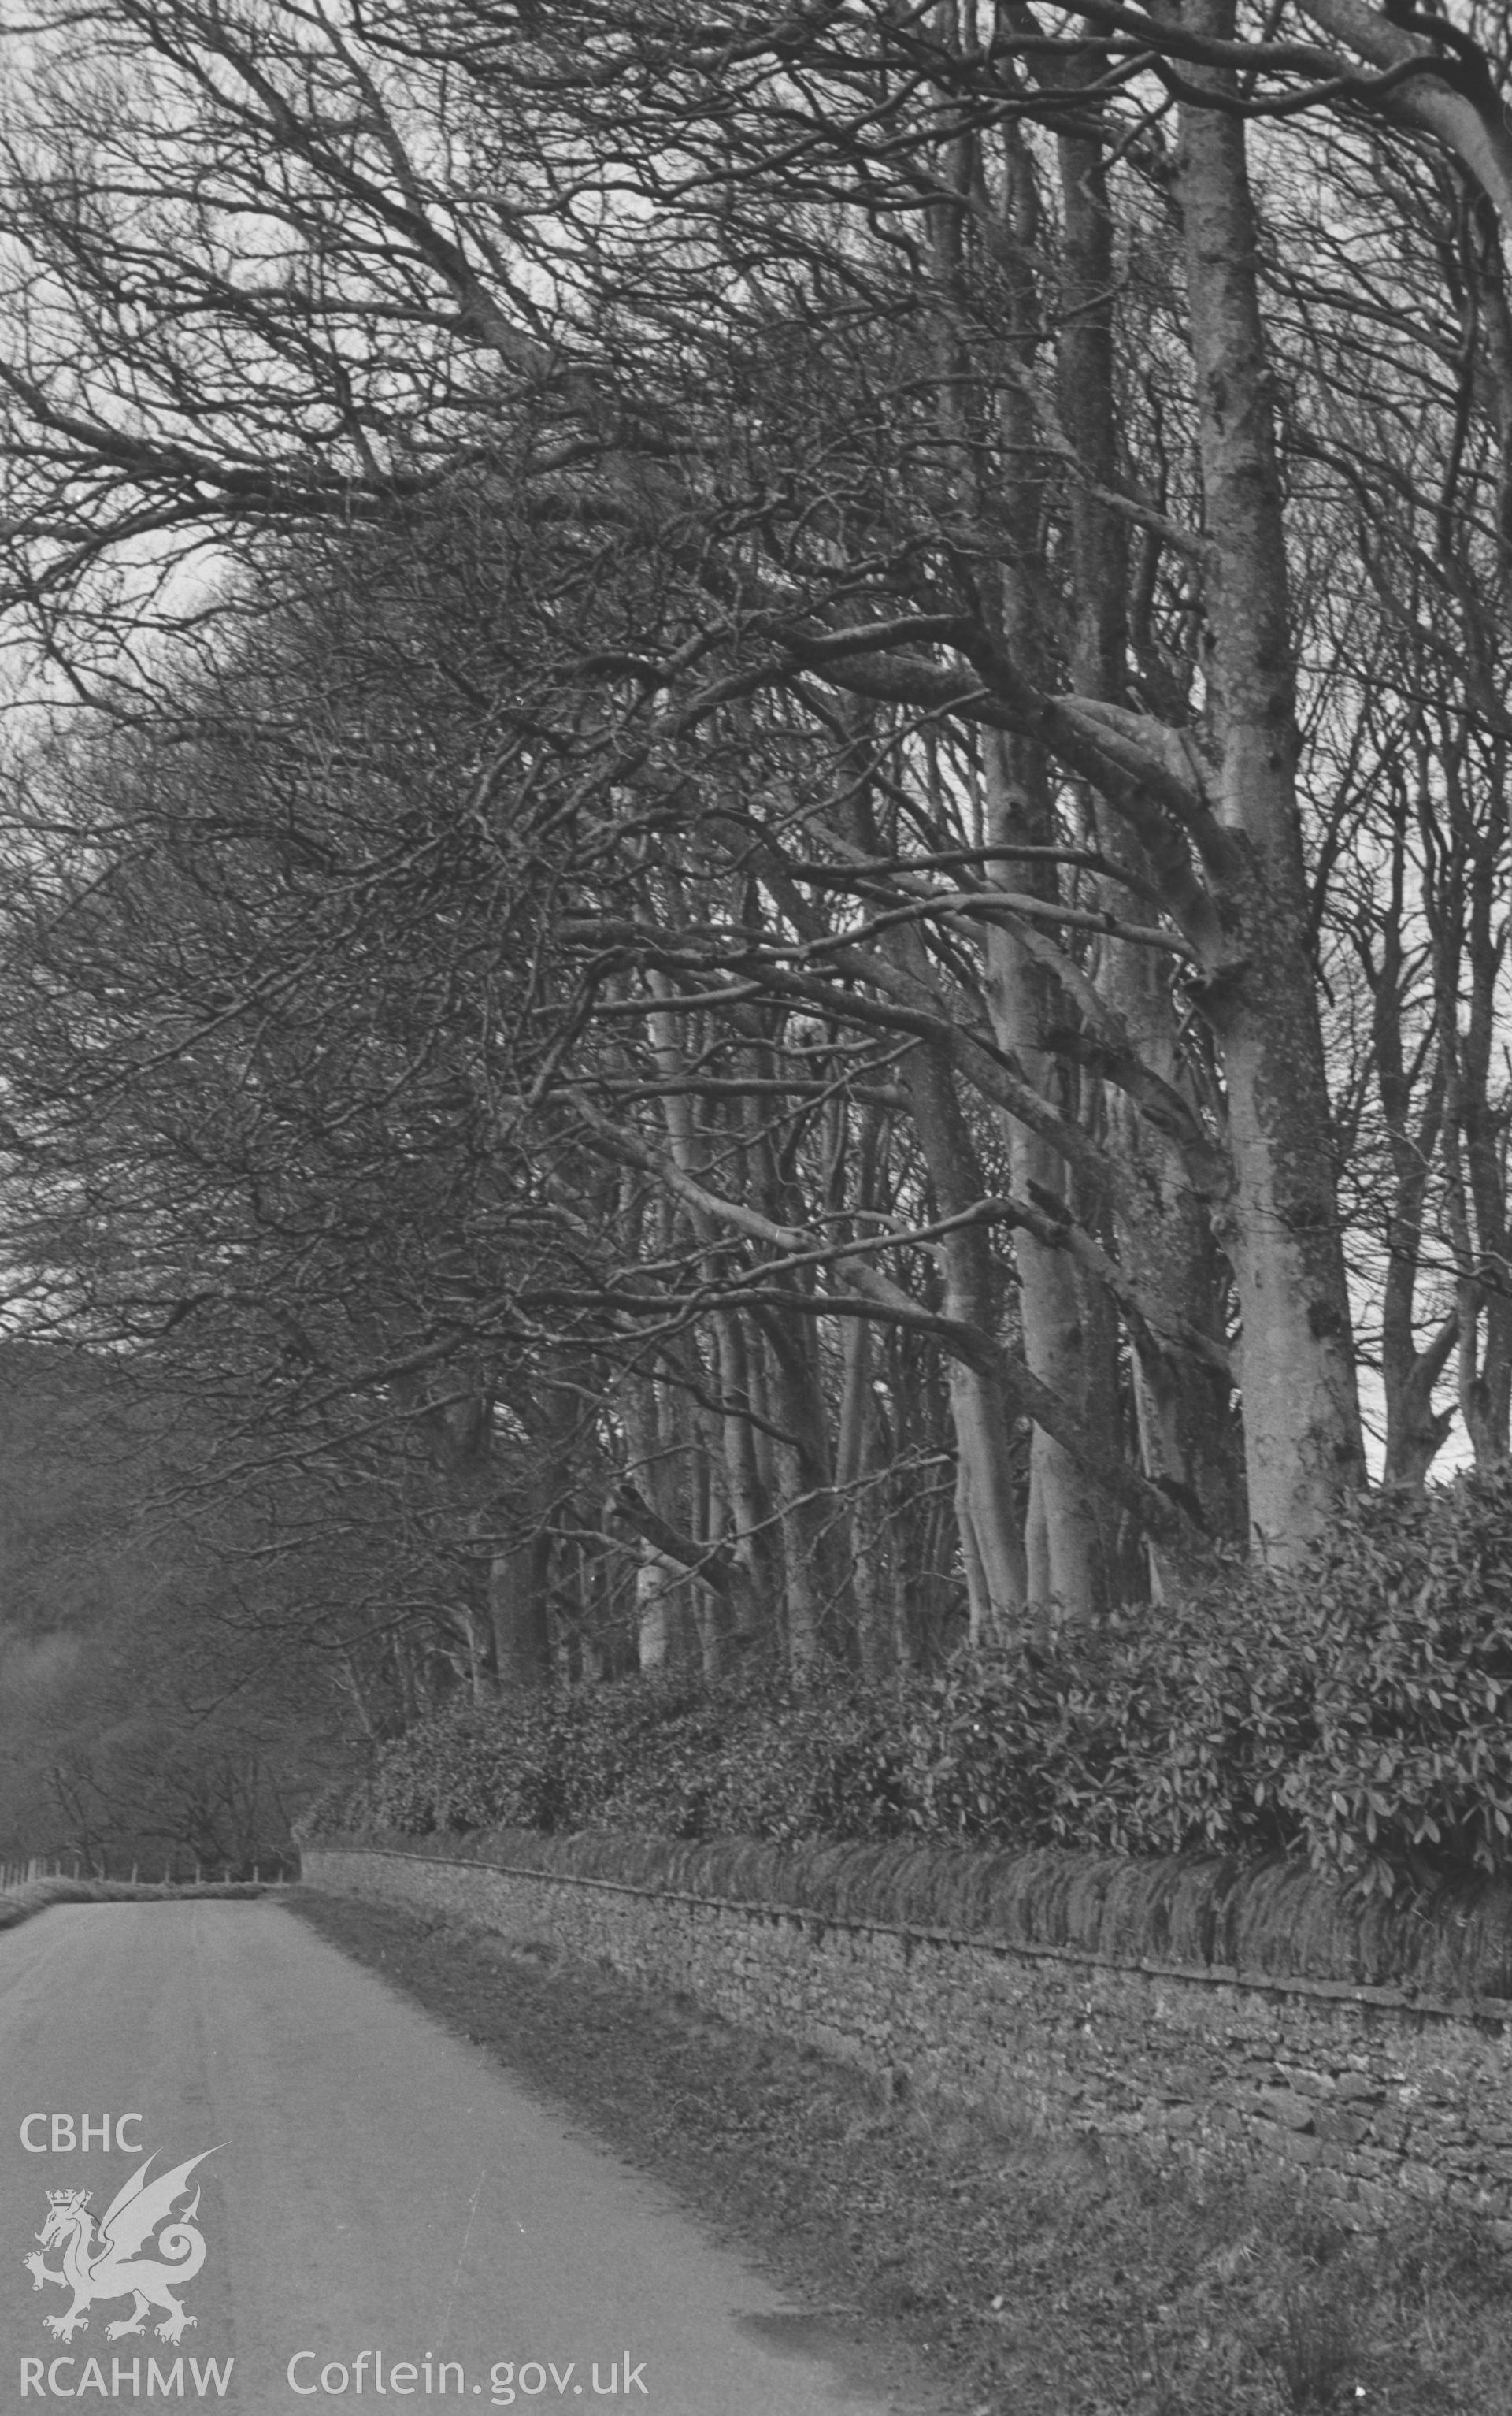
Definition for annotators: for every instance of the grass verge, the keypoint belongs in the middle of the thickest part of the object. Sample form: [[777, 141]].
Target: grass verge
[[1037, 2277]]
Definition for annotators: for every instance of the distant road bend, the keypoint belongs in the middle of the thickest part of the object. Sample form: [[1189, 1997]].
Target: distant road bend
[[375, 2209]]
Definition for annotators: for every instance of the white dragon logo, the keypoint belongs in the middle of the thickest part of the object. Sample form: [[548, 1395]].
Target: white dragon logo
[[108, 2267]]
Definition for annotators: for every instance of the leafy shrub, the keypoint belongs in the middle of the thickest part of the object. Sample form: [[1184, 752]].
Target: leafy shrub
[[1411, 1762], [1353, 1709]]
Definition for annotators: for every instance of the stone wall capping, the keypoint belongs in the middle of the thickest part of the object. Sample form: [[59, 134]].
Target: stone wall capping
[[1497, 2010]]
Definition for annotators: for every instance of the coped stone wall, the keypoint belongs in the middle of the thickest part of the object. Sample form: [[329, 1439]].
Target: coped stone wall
[[1199, 2005]]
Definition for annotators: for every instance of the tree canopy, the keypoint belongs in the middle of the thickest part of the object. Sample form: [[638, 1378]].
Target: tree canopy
[[756, 822]]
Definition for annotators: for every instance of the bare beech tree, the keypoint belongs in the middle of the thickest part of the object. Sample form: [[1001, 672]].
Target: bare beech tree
[[868, 669]]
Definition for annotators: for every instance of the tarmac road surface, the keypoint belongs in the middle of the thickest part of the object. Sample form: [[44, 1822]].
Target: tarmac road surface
[[387, 2216]]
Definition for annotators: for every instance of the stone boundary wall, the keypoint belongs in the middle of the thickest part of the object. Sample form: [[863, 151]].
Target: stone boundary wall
[[1365, 2088]]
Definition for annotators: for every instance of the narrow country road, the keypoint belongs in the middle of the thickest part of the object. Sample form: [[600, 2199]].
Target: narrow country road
[[385, 2213]]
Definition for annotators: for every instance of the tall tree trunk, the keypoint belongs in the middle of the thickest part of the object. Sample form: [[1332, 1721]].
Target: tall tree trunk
[[1302, 1431], [856, 1489], [1067, 1570], [1066, 1563], [820, 1601], [1187, 1430], [745, 1496], [991, 1547], [518, 1578], [641, 1409], [1416, 1430], [988, 1519]]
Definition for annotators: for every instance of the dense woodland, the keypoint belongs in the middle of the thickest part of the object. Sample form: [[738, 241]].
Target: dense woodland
[[755, 811], [166, 1694]]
